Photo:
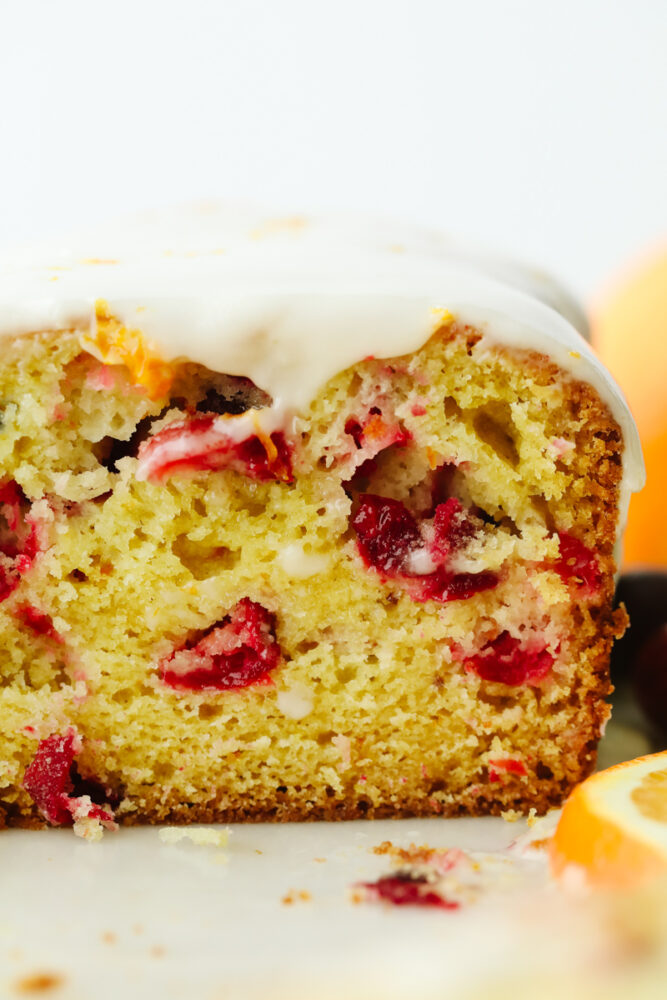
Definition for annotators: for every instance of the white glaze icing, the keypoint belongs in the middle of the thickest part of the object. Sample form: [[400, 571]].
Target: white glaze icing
[[291, 302]]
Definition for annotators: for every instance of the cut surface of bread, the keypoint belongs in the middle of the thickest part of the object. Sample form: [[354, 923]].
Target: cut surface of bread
[[397, 602]]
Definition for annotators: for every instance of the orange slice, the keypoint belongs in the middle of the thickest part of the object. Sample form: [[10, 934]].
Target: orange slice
[[614, 825]]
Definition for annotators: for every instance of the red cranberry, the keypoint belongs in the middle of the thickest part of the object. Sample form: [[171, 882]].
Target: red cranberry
[[506, 765], [239, 651], [451, 526], [443, 586], [386, 533], [18, 538], [53, 781], [407, 889], [47, 779], [577, 564], [38, 622], [506, 661], [200, 443], [257, 464]]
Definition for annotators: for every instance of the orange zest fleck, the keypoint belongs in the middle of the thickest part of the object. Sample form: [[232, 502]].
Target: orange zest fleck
[[296, 896], [433, 458], [442, 318], [118, 345], [375, 427], [275, 463]]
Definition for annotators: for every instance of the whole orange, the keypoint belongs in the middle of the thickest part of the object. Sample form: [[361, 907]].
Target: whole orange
[[629, 326]]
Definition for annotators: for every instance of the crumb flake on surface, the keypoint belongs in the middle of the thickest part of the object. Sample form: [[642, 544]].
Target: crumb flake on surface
[[203, 836], [39, 982], [296, 896]]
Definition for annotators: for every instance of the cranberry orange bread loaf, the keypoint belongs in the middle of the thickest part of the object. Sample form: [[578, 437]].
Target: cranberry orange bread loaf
[[298, 521]]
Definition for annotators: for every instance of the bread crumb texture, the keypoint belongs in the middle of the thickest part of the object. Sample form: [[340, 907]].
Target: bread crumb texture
[[401, 606]]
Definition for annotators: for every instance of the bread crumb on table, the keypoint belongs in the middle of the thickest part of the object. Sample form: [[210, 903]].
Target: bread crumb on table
[[296, 896], [39, 982], [203, 836]]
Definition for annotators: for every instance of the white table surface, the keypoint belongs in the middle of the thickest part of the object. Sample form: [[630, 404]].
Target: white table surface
[[134, 917]]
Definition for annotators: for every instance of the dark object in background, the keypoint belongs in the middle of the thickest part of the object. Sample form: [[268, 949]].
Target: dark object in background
[[650, 677], [640, 657]]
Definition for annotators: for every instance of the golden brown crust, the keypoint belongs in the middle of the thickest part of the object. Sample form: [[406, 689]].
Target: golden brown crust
[[547, 795], [597, 467]]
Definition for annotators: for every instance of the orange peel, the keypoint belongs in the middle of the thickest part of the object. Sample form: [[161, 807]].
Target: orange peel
[[276, 464], [613, 827], [114, 344]]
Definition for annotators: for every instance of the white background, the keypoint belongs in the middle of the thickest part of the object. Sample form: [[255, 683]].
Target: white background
[[535, 127]]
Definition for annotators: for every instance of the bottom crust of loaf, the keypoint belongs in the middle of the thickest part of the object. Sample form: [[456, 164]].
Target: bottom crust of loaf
[[295, 805], [287, 809]]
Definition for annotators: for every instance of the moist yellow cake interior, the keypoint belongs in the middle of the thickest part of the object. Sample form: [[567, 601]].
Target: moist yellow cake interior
[[371, 710]]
